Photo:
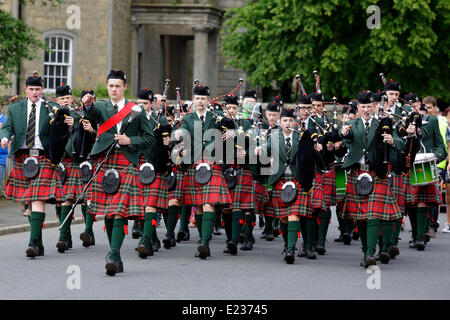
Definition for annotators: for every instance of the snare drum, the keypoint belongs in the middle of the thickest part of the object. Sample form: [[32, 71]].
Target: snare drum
[[424, 171], [341, 178]]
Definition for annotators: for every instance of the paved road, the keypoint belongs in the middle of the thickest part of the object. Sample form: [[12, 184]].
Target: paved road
[[259, 274]]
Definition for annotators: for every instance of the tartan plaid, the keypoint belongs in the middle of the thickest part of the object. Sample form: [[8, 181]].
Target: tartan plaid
[[380, 204], [340, 202], [214, 193], [269, 209], [73, 187], [430, 194], [128, 201], [243, 194], [408, 190], [178, 192], [300, 207], [45, 187], [329, 188], [317, 198], [261, 195], [156, 194], [398, 190]]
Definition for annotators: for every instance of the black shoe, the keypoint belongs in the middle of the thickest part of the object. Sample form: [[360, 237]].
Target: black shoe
[[217, 231], [420, 245], [320, 250], [113, 266], [180, 236], [347, 239], [232, 248], [276, 232], [355, 236], [290, 257], [393, 252], [384, 257], [88, 240], [33, 249], [166, 243], [302, 253], [310, 255], [369, 261], [203, 252], [248, 245], [145, 251], [136, 233], [339, 239], [156, 245], [412, 244], [62, 245]]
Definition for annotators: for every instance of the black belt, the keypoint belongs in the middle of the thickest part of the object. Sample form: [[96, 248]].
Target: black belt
[[32, 153]]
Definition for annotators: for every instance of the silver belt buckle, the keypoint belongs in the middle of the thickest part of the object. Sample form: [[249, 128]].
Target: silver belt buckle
[[34, 153], [365, 167]]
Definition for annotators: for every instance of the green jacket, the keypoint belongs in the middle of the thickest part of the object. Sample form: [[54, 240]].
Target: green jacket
[[280, 149], [432, 138], [139, 131], [358, 144], [16, 125], [149, 155]]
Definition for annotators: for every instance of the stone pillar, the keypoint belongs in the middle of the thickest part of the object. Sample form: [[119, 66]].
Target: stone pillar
[[134, 59], [201, 53]]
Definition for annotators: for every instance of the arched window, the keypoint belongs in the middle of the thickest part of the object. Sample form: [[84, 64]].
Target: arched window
[[57, 61]]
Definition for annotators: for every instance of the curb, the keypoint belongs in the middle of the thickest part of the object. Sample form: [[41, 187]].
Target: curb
[[48, 225]]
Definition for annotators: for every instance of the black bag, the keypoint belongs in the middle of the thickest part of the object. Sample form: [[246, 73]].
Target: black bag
[[203, 173], [230, 178], [288, 192], [86, 171], [147, 173], [62, 173], [30, 168], [364, 184], [171, 181], [111, 181]]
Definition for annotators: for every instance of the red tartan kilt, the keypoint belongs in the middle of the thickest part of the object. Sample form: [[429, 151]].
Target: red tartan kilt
[[261, 196], [429, 194], [156, 194], [269, 207], [243, 195], [398, 190], [317, 197], [73, 187], [45, 187], [128, 200], [329, 188], [408, 189], [301, 206], [215, 192]]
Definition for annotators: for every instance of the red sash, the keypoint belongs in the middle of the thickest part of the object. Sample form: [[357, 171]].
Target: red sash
[[115, 119]]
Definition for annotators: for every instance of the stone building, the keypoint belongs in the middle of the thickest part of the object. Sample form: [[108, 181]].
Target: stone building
[[151, 40]]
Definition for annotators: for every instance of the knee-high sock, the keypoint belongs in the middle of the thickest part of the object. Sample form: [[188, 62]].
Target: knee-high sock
[[324, 221], [250, 220], [109, 223], [88, 219], [118, 234], [284, 231], [396, 232], [165, 215], [209, 219], [373, 231], [341, 225], [218, 211], [268, 228], [172, 219], [184, 218], [237, 221], [311, 225], [348, 226], [149, 228], [198, 222], [412, 214], [58, 211], [293, 229], [136, 224], [362, 230], [387, 231], [422, 222], [228, 220], [36, 220], [64, 233], [276, 223]]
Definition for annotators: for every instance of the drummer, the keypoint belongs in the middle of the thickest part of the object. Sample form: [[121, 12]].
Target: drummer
[[428, 196]]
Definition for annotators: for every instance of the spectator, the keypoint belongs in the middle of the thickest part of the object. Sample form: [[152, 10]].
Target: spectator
[[447, 189], [3, 152]]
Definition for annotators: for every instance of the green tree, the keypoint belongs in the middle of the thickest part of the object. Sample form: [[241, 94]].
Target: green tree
[[277, 39], [17, 41]]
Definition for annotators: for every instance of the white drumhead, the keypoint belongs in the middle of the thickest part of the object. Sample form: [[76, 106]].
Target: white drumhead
[[424, 157]]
